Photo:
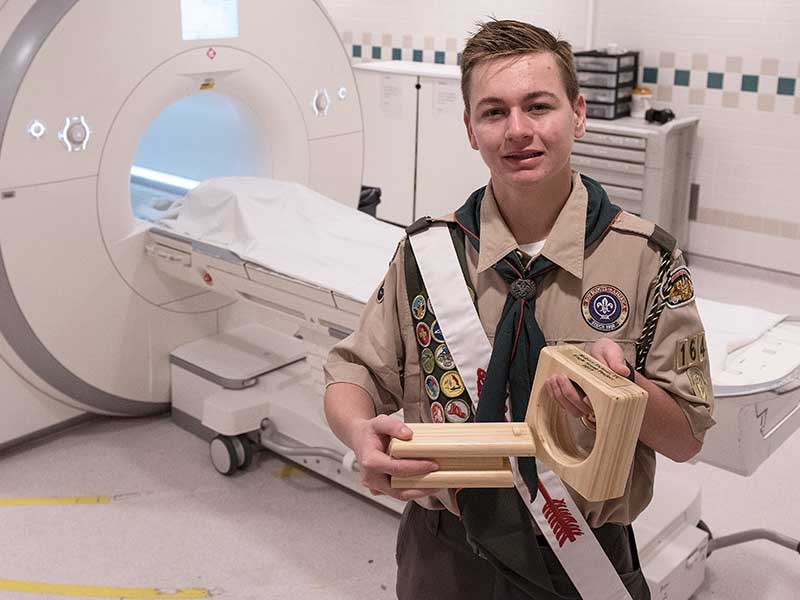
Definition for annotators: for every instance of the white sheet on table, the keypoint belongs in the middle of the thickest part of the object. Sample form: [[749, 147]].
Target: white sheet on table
[[730, 327], [290, 229]]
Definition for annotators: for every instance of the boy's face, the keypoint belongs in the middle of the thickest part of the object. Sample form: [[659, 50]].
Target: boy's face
[[521, 120]]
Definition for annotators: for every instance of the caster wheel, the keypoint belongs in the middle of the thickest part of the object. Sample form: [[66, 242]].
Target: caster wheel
[[248, 451], [244, 450], [223, 455]]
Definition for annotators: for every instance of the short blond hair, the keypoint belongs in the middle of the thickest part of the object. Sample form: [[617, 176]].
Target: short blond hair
[[497, 39]]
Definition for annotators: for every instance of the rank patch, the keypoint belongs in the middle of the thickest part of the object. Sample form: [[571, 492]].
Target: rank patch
[[443, 358], [699, 384], [681, 288], [437, 332], [456, 411], [690, 352], [418, 307], [423, 335], [437, 412], [431, 387], [427, 361], [604, 308], [452, 385]]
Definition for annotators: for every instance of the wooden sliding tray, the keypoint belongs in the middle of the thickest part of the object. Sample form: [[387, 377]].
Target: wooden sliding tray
[[476, 454]]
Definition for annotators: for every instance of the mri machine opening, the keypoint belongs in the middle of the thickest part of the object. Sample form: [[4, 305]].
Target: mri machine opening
[[203, 136]]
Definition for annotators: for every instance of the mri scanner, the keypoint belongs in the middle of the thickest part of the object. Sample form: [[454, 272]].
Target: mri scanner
[[117, 299]]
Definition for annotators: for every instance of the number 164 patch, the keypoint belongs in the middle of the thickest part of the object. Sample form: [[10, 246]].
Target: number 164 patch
[[690, 352]]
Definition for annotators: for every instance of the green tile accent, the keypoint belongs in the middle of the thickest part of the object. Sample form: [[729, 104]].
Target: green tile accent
[[650, 75], [397, 54], [786, 86], [715, 80], [417, 55], [438, 57], [376, 52], [682, 77], [357, 50], [749, 83]]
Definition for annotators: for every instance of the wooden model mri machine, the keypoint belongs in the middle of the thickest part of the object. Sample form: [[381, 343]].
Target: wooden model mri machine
[[132, 318]]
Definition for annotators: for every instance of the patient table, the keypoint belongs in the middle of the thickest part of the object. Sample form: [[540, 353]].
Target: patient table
[[312, 264]]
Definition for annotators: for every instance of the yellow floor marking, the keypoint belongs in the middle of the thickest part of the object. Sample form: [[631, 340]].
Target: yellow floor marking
[[288, 470], [88, 591], [54, 501]]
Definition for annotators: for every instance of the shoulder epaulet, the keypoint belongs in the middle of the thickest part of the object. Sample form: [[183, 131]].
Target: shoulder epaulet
[[424, 223], [630, 223]]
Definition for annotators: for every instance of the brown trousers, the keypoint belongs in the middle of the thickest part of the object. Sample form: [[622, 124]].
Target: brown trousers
[[435, 562]]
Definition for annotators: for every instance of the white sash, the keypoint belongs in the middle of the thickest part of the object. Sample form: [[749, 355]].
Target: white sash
[[566, 530]]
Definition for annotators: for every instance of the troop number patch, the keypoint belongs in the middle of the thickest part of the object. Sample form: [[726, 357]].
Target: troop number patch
[[605, 308], [690, 352]]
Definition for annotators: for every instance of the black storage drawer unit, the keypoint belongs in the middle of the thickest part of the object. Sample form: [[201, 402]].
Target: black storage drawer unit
[[607, 82]]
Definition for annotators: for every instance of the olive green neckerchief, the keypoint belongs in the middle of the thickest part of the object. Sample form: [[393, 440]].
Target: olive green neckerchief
[[496, 521]]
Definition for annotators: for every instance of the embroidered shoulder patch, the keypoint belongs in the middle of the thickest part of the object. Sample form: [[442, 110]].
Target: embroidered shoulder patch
[[681, 288], [605, 308]]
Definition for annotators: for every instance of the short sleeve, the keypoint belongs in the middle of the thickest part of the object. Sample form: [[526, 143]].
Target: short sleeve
[[372, 356], [678, 359]]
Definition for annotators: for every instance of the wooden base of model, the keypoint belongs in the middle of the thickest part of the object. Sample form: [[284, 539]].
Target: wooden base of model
[[476, 454]]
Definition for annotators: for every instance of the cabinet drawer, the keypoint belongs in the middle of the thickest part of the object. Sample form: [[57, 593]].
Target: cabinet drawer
[[608, 152], [609, 139]]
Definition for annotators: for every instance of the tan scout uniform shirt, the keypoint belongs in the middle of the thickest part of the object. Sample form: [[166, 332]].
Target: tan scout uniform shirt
[[382, 355]]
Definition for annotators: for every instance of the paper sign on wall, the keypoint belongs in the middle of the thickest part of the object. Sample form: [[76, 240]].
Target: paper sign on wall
[[391, 96], [446, 97]]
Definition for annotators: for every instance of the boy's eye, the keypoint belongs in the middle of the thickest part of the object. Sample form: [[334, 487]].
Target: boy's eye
[[539, 107], [492, 112]]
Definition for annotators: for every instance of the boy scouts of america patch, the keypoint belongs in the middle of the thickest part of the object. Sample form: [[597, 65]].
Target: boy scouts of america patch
[[699, 384], [679, 289], [437, 412], [419, 307], [604, 308]]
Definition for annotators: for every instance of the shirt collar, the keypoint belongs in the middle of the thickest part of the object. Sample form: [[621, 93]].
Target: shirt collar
[[564, 245]]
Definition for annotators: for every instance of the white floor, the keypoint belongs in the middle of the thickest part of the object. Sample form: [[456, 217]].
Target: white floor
[[276, 533]]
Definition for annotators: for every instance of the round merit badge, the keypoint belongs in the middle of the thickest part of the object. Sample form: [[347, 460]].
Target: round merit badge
[[418, 307], [452, 386], [437, 412], [437, 332], [430, 307], [681, 288], [427, 361], [431, 387], [423, 335], [457, 411], [604, 308], [380, 294], [443, 358]]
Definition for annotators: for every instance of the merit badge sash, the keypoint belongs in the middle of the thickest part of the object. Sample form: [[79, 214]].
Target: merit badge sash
[[554, 511]]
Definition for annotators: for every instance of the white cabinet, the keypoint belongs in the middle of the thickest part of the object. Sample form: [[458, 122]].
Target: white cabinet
[[417, 152]]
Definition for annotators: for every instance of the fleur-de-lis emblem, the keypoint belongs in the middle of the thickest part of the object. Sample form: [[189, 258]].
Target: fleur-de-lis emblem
[[605, 306]]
